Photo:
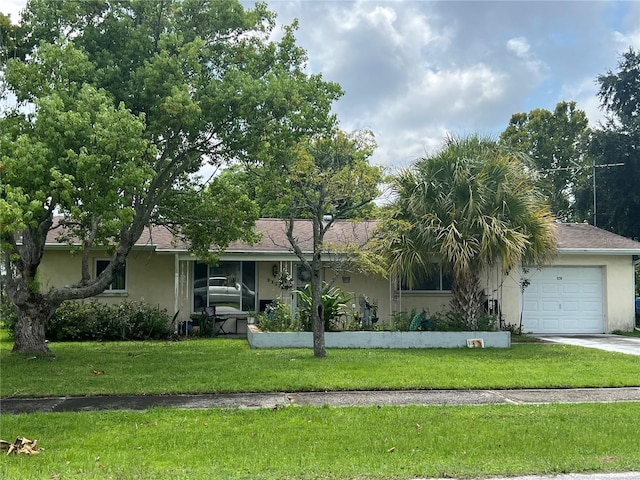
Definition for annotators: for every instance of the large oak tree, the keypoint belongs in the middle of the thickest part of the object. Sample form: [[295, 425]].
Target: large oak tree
[[118, 106]]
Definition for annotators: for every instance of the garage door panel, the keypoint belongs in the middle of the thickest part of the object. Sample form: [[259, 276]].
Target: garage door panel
[[592, 289], [571, 306], [592, 307], [550, 323], [564, 300], [570, 288]]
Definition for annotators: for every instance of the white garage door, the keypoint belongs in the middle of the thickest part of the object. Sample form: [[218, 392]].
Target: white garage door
[[564, 300]]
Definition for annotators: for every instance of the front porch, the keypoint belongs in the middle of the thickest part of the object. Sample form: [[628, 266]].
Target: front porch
[[241, 286]]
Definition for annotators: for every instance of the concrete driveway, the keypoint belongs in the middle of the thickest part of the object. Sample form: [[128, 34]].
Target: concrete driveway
[[611, 343]]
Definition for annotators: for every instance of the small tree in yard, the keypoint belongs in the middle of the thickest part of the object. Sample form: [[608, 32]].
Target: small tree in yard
[[118, 106], [326, 178]]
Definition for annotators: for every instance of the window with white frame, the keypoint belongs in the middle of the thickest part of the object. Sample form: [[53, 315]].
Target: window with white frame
[[229, 286], [431, 280], [119, 282]]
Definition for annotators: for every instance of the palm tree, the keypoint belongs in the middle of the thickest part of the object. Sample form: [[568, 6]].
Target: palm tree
[[470, 206]]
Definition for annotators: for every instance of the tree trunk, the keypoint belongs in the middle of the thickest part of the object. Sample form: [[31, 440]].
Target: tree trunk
[[467, 298], [29, 330], [319, 349]]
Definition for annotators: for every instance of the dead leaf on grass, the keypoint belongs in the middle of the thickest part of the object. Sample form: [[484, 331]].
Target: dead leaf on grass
[[21, 445]]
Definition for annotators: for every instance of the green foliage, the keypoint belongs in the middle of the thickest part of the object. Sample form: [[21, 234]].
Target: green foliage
[[8, 313], [614, 146], [555, 142], [74, 321], [447, 321], [276, 318], [470, 205], [132, 100], [451, 321], [335, 165], [334, 301], [401, 321]]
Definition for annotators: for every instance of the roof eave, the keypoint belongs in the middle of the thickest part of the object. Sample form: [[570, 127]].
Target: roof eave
[[599, 251]]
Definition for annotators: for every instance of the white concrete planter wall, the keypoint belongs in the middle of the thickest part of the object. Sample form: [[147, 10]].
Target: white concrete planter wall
[[376, 339]]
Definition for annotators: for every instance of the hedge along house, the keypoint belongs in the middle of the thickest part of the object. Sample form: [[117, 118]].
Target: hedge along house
[[588, 288]]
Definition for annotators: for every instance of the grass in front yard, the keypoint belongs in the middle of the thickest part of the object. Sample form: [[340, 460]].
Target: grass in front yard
[[635, 333], [327, 443], [229, 365]]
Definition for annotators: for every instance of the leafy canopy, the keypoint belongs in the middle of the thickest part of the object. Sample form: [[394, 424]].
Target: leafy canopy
[[555, 142], [119, 104], [614, 150]]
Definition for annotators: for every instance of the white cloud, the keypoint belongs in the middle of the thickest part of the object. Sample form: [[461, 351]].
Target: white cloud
[[417, 70], [520, 46], [12, 8]]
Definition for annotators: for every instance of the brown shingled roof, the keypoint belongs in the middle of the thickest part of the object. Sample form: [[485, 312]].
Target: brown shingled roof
[[569, 236], [585, 236], [274, 236]]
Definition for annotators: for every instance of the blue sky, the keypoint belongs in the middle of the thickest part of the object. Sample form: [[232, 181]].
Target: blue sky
[[415, 71]]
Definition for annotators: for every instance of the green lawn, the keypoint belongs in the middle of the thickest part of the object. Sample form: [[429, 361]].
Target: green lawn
[[327, 443], [229, 365], [316, 443]]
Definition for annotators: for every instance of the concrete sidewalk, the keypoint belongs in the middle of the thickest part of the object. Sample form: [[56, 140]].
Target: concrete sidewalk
[[341, 399], [335, 399]]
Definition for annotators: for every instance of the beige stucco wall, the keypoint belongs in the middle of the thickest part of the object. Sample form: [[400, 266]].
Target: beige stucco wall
[[150, 277], [432, 302], [376, 289]]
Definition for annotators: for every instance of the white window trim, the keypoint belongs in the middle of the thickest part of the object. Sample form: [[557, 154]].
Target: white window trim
[[409, 291], [110, 290]]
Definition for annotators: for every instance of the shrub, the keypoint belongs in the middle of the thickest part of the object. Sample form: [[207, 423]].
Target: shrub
[[8, 315], [96, 321], [334, 302], [402, 320], [276, 318], [455, 322]]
